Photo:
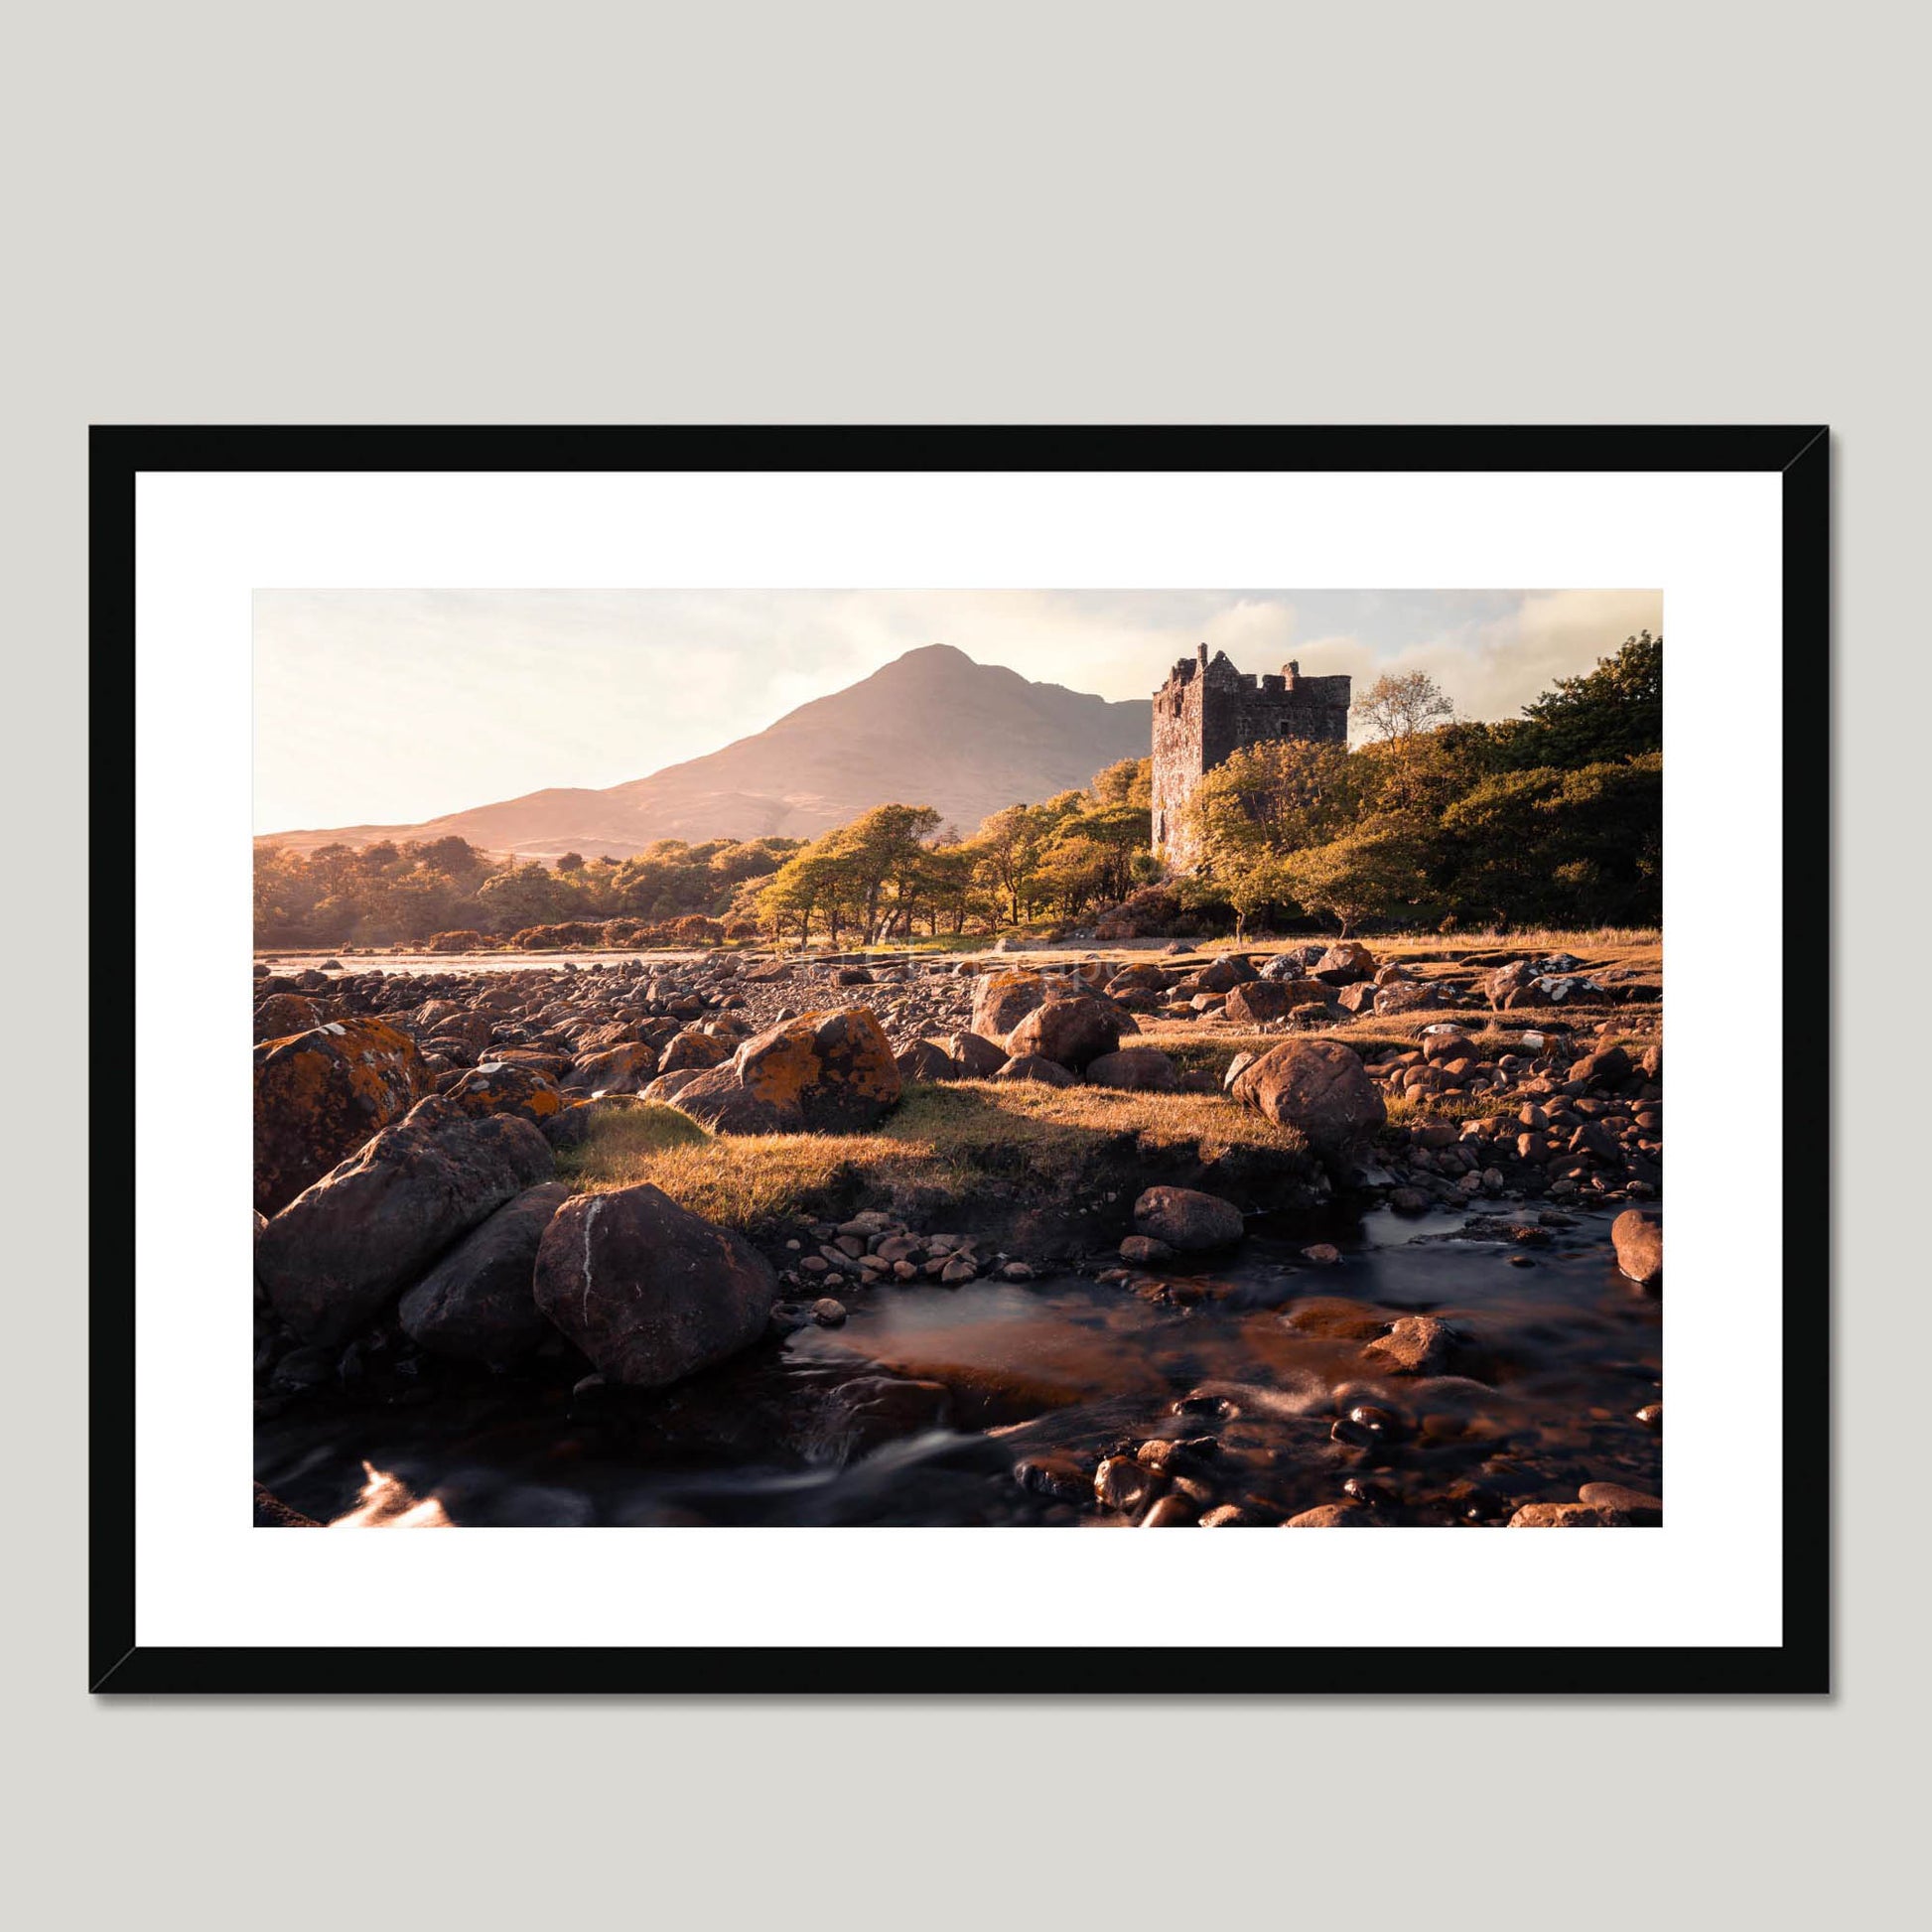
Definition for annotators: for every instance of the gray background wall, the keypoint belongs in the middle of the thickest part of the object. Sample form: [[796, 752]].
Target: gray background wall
[[997, 213]]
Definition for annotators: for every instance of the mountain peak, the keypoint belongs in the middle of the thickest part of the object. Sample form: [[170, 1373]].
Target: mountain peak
[[931, 727], [935, 656]]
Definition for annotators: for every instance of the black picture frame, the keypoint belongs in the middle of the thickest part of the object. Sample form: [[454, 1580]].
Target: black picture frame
[[1798, 454]]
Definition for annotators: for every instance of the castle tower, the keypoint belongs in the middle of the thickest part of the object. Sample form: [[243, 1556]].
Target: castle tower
[[1208, 709]]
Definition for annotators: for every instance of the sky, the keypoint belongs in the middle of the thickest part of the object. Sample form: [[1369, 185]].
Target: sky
[[391, 707]]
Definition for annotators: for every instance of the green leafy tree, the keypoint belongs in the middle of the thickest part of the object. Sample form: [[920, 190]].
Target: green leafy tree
[[1615, 711], [1362, 876]]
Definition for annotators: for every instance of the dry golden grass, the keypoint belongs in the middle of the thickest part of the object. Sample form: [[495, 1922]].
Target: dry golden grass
[[964, 1142]]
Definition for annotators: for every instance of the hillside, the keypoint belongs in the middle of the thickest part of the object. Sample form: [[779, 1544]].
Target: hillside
[[930, 728]]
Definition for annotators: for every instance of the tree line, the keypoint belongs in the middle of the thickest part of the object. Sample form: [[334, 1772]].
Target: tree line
[[393, 893], [1554, 818]]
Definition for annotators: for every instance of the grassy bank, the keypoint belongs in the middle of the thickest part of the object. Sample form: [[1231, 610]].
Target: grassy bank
[[996, 1158]]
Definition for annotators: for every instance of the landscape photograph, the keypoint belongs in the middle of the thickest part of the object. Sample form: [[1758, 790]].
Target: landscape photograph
[[1088, 1058]]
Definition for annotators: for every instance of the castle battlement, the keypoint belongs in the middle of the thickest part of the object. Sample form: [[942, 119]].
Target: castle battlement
[[1207, 710]]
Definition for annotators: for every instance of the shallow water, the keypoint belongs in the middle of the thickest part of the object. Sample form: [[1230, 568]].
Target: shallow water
[[1556, 1354], [290, 963]]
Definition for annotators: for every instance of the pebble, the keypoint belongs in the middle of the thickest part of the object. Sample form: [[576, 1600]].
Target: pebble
[[1121, 1483], [1171, 1512], [828, 1314], [1637, 1504]]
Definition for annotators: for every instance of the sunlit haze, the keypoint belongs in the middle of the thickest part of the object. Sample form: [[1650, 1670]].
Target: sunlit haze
[[392, 707]]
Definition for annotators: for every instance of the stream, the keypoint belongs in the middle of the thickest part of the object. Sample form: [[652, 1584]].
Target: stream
[[1256, 1364]]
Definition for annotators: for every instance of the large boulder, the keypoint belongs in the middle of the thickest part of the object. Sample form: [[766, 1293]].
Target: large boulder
[[1408, 996], [922, 1060], [321, 1095], [1135, 1069], [1071, 1032], [822, 1073], [1608, 1066], [1320, 1088], [1001, 1000], [695, 1050], [1187, 1221], [1510, 984], [1043, 1072], [1260, 1001], [477, 1303], [1344, 963], [1224, 974], [338, 1254], [979, 1058], [647, 1291]]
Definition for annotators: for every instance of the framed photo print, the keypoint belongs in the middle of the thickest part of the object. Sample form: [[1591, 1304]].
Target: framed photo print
[[833, 1014]]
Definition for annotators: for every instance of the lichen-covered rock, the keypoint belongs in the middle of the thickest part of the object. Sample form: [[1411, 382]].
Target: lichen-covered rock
[[283, 1013], [321, 1095], [648, 1291], [338, 1254], [1187, 1221], [497, 1087], [822, 1073], [695, 1050], [1001, 1000], [1320, 1088], [476, 1305]]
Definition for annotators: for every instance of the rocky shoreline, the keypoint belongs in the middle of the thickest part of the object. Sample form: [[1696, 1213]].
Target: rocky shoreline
[[1099, 1137]]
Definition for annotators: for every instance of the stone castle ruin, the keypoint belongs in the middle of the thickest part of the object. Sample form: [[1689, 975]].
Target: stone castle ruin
[[1207, 710]]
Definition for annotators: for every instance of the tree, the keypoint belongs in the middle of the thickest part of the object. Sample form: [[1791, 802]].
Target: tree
[[524, 895], [1399, 705], [1563, 848], [571, 862], [1615, 711], [1368, 875], [1270, 798], [1129, 782], [1006, 844]]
